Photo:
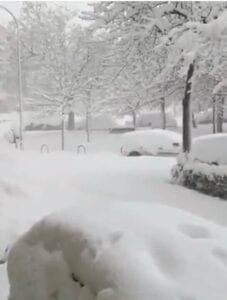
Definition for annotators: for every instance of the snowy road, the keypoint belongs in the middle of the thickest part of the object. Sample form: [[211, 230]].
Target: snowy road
[[33, 185]]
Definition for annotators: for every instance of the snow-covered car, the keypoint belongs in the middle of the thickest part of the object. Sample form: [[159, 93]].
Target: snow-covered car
[[211, 148], [151, 142], [206, 117], [205, 168]]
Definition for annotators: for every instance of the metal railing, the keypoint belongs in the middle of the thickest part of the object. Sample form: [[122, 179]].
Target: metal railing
[[44, 148], [81, 147]]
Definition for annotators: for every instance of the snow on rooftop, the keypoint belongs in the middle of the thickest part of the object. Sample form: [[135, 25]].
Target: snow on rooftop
[[153, 132]]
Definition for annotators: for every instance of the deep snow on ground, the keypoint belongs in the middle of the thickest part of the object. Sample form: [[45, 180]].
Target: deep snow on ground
[[33, 185], [117, 250], [101, 141]]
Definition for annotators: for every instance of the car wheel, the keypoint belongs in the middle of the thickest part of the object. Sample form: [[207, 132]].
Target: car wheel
[[134, 153]]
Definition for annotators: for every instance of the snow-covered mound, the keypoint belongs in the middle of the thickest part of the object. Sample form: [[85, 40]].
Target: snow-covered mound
[[210, 148], [120, 251], [151, 142]]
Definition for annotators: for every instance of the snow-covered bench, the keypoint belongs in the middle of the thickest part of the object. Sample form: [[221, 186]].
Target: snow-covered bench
[[120, 251]]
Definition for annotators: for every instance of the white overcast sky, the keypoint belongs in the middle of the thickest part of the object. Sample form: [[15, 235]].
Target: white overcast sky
[[14, 6]]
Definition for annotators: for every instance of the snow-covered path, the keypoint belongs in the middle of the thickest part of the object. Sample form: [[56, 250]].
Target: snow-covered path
[[33, 185], [49, 178]]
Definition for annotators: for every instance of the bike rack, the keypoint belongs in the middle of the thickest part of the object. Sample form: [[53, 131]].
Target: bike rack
[[44, 148], [79, 147]]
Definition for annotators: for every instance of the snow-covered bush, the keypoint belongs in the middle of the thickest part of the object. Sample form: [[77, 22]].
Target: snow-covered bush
[[177, 170], [207, 178], [11, 136], [176, 173], [205, 168]]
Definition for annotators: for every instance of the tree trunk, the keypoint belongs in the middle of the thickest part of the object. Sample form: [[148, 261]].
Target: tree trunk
[[214, 114], [88, 127], [174, 109], [220, 114], [134, 119], [194, 124], [199, 107], [187, 110], [63, 131], [163, 113], [71, 121]]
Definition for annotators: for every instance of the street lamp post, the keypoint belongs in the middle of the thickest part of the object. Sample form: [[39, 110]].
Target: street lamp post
[[19, 85]]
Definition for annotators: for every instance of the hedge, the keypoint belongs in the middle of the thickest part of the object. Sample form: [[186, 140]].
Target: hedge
[[207, 178]]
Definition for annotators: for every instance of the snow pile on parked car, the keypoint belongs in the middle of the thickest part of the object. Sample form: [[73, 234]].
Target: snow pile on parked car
[[210, 148], [151, 142], [120, 251]]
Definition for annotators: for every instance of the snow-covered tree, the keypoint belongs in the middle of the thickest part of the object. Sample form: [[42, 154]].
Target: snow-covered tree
[[91, 92], [194, 48], [180, 30], [129, 57]]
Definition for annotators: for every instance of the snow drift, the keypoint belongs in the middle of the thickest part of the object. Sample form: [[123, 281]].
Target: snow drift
[[120, 251]]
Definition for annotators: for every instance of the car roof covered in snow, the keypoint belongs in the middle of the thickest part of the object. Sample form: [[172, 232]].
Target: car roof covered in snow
[[211, 148], [153, 132]]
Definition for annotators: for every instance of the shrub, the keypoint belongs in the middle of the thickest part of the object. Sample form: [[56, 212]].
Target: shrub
[[207, 178]]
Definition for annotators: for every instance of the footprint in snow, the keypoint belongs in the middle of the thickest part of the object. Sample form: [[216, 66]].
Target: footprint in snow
[[186, 298], [115, 236], [220, 254], [195, 231]]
